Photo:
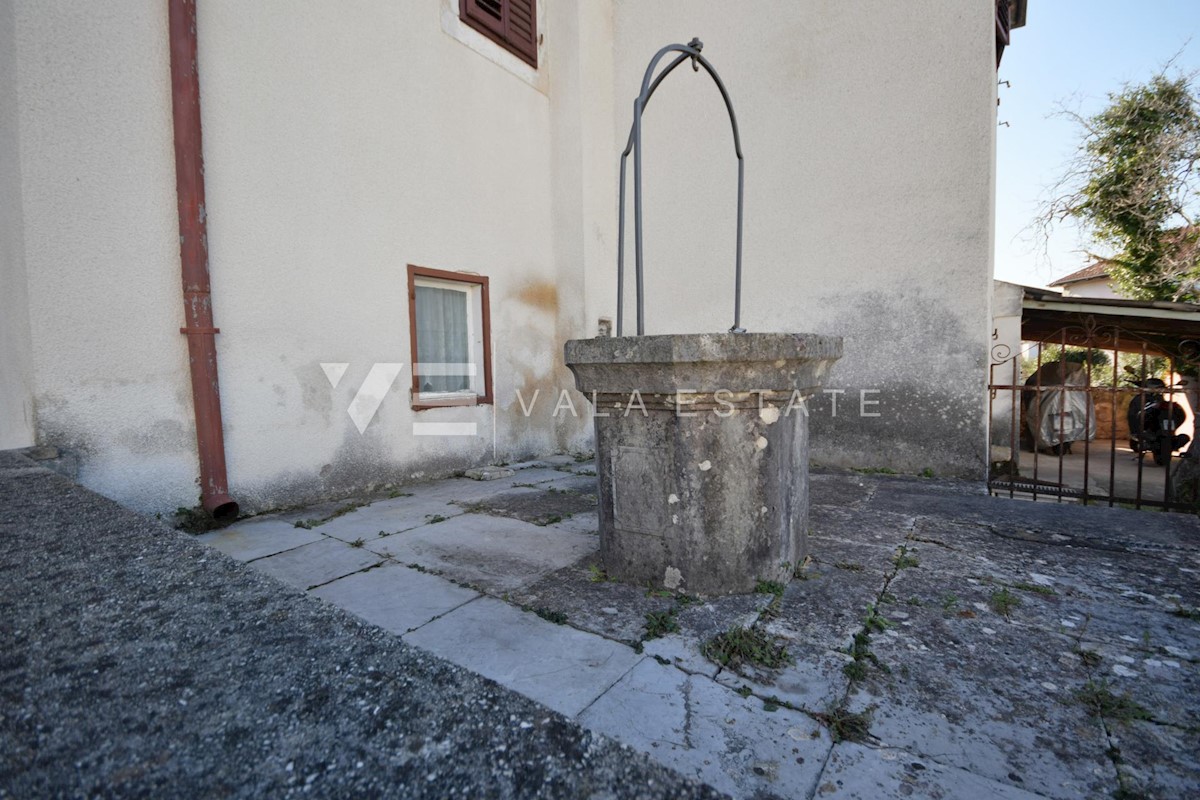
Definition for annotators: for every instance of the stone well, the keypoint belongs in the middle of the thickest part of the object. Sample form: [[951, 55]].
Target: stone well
[[702, 454]]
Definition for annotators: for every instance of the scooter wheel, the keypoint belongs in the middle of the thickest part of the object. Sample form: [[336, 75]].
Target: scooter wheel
[[1162, 453]]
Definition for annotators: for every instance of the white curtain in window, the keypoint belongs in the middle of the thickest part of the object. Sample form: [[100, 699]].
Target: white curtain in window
[[442, 336]]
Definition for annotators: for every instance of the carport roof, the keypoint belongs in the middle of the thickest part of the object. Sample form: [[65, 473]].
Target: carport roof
[[1165, 328]]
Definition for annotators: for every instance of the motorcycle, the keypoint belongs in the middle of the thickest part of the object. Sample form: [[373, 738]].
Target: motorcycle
[[1153, 420]]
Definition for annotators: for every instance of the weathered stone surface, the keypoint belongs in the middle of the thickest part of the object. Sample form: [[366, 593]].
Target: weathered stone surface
[[544, 506], [489, 473], [865, 773], [709, 732], [702, 445], [556, 665]]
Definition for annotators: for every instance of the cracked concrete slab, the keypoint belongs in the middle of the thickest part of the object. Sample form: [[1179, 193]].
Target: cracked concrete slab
[[496, 554], [317, 563], [539, 507], [556, 665], [387, 517], [591, 602], [709, 732], [395, 597], [256, 538]]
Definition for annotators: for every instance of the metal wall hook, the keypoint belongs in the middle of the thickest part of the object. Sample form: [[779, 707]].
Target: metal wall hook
[[687, 51]]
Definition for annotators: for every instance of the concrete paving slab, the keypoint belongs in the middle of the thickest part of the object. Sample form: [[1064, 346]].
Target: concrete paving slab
[[543, 506], [395, 597], [493, 553], [256, 538], [682, 652], [706, 731], [584, 522], [857, 772], [815, 683], [614, 610], [560, 667], [388, 517], [317, 563]]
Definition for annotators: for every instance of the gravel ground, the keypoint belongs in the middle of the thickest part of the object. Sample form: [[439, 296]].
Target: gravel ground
[[135, 662]]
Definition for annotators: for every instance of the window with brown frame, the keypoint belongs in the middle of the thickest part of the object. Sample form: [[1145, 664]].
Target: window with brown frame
[[510, 23], [450, 330]]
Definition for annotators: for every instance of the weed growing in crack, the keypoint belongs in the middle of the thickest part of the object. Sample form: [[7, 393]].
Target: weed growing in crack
[[307, 524], [802, 572], [557, 617], [849, 566], [433, 519], [845, 725], [596, 574], [1090, 658], [875, 623], [1100, 701], [1003, 602], [359, 542], [903, 560], [1186, 613], [769, 587], [1035, 588], [949, 601], [394, 493], [738, 646], [913, 601], [660, 623]]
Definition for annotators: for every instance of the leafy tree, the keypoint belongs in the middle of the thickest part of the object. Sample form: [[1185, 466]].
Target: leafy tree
[[1134, 186]]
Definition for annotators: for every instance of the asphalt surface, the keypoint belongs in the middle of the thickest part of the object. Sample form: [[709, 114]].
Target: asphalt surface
[[134, 662]]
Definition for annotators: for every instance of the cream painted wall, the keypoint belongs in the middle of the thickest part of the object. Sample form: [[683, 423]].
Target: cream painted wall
[[342, 143], [101, 246], [16, 368], [868, 132], [345, 141]]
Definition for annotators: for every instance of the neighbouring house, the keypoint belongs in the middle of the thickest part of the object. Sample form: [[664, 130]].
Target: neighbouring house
[[392, 181], [1091, 281]]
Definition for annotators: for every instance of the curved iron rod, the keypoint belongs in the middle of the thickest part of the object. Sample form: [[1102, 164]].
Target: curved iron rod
[[634, 143]]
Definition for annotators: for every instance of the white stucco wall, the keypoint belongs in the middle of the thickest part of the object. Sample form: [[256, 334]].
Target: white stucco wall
[[868, 131], [16, 369]]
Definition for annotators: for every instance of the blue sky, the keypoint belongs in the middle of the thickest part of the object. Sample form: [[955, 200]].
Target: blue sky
[[1070, 53]]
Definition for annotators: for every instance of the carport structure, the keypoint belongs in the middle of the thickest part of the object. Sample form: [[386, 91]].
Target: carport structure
[[1146, 337]]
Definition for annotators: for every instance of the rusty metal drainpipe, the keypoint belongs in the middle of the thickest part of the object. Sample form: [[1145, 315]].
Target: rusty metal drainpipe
[[193, 256]]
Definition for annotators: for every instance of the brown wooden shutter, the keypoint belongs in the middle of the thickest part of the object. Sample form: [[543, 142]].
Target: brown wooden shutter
[[521, 27], [488, 13], [510, 23]]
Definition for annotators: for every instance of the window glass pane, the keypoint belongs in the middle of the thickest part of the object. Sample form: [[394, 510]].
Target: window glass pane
[[442, 336]]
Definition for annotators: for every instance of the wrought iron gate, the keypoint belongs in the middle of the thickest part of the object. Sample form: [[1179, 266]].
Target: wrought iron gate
[[1078, 416]]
